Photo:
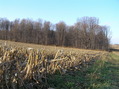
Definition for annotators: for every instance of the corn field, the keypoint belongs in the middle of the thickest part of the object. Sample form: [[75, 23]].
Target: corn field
[[27, 68]]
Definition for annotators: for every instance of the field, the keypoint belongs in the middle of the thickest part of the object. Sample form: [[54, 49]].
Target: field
[[116, 46], [30, 66]]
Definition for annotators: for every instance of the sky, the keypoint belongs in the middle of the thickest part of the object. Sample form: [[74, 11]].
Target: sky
[[107, 11]]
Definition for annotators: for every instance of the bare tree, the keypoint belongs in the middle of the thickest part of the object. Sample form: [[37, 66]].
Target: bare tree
[[85, 33], [60, 33]]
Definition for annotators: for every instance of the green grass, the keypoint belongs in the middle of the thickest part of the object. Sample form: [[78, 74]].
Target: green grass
[[103, 74]]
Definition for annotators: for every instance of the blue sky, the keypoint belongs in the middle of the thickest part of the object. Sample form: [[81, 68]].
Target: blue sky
[[65, 10]]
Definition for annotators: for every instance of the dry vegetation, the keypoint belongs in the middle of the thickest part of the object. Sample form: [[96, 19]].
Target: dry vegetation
[[26, 66], [116, 46]]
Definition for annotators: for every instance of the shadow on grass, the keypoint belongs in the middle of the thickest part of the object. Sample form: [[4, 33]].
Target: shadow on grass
[[103, 74]]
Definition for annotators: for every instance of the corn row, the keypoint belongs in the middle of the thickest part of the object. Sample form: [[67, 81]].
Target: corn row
[[23, 68]]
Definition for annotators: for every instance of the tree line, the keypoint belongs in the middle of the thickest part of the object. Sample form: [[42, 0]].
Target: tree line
[[85, 33]]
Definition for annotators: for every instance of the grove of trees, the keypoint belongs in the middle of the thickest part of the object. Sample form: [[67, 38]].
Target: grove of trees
[[85, 33]]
